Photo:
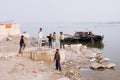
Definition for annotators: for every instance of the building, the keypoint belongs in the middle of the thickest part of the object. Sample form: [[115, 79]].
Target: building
[[9, 29]]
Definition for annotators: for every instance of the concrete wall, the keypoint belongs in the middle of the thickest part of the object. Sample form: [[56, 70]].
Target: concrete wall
[[46, 55]]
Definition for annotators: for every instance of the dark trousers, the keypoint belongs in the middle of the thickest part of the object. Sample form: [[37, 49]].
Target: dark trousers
[[50, 44], [22, 46], [62, 44], [58, 66]]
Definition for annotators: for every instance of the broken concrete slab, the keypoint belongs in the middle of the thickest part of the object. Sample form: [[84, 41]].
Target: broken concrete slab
[[98, 66]]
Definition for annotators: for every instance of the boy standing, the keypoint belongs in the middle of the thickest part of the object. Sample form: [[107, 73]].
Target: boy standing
[[61, 40], [57, 59], [54, 39], [40, 36], [50, 40]]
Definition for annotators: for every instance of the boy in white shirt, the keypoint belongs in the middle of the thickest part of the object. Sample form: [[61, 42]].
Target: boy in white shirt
[[40, 36]]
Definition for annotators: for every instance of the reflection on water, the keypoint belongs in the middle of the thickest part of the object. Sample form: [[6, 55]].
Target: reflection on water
[[100, 75], [98, 45]]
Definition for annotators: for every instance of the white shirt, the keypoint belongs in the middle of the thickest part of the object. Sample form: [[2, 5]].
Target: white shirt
[[40, 35]]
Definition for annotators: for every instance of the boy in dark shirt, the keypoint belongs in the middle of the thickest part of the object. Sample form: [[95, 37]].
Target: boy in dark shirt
[[50, 40], [22, 44], [57, 59]]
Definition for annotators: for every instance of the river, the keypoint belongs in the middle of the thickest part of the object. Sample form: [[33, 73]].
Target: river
[[111, 43]]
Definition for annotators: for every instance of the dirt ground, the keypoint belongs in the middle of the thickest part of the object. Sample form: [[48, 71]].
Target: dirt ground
[[21, 68]]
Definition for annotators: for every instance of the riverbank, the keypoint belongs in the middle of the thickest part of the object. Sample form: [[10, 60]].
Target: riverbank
[[77, 58]]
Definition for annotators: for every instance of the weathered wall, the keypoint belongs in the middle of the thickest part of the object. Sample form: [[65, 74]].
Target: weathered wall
[[46, 55], [13, 30]]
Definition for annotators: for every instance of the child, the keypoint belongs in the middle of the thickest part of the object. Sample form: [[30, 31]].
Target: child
[[50, 40], [57, 59], [40, 36], [61, 40], [22, 44], [54, 39]]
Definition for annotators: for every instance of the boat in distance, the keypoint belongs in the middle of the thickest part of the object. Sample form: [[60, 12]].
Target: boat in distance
[[83, 37]]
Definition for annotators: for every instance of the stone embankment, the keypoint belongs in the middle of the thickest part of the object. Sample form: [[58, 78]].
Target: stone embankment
[[38, 64]]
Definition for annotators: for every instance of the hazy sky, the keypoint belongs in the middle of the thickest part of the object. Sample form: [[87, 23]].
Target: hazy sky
[[60, 10]]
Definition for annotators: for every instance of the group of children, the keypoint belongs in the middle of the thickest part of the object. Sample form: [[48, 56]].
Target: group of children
[[52, 40], [52, 44]]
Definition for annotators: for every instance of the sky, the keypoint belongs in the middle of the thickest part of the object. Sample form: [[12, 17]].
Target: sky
[[52, 11]]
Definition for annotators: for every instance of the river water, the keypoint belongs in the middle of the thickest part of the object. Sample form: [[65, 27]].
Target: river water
[[111, 43]]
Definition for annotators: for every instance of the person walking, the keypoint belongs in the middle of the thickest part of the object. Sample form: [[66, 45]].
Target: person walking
[[57, 60], [40, 36], [22, 44], [61, 40]]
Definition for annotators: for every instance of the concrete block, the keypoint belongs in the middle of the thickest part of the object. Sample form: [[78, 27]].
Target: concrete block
[[46, 55]]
